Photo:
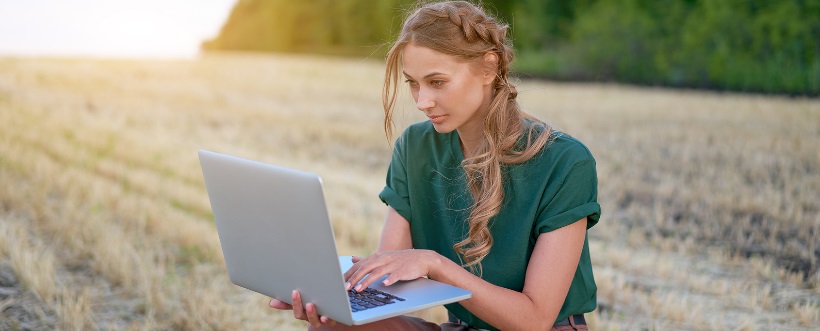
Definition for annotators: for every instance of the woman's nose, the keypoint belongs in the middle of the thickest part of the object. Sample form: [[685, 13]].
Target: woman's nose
[[424, 101]]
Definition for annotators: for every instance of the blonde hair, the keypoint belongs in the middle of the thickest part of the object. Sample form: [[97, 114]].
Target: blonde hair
[[465, 31]]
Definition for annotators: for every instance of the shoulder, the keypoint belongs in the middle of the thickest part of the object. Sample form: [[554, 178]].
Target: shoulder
[[567, 148], [561, 147]]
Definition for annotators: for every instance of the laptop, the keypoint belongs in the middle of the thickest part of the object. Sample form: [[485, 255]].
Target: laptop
[[276, 237]]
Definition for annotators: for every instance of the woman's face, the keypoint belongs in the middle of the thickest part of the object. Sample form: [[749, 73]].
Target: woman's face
[[454, 95]]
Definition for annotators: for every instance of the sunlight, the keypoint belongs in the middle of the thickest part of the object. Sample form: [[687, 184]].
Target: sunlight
[[109, 28]]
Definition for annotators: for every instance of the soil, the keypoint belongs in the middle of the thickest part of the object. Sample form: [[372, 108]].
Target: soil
[[20, 309]]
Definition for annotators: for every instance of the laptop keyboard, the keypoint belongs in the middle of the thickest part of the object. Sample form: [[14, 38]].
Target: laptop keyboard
[[370, 298]]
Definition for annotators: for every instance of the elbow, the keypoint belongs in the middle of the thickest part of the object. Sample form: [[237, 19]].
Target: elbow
[[536, 324], [542, 316], [545, 321], [540, 321]]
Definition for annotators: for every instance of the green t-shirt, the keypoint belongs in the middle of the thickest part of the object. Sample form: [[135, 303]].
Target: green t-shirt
[[558, 186]]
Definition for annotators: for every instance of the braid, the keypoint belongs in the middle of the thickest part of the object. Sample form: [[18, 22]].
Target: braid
[[475, 26]]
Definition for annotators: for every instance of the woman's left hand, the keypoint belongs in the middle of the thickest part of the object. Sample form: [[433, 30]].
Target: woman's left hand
[[405, 264]]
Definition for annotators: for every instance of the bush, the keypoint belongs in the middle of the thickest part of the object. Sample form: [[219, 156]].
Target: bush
[[743, 45]]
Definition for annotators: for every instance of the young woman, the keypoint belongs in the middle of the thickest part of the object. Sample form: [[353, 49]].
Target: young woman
[[482, 196]]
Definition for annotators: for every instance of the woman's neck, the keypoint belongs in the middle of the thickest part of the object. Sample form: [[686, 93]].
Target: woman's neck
[[470, 140], [472, 132]]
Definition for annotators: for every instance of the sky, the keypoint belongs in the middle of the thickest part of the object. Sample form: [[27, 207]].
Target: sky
[[109, 28]]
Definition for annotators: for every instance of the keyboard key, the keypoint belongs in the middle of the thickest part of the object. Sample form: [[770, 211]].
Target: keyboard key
[[370, 298]]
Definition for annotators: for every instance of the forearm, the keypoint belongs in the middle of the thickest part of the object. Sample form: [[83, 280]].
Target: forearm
[[501, 307]]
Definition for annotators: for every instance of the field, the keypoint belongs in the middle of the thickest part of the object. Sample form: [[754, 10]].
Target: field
[[711, 215]]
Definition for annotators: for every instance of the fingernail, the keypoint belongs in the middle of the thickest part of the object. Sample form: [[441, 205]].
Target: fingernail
[[384, 282], [347, 286], [270, 303], [359, 287], [294, 294]]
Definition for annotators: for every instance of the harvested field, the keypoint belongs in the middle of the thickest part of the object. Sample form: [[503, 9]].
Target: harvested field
[[711, 216]]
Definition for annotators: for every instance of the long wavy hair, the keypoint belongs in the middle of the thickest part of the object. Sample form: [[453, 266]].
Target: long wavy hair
[[465, 31]]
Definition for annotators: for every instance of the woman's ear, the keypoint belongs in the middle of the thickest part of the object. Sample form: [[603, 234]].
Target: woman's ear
[[490, 66]]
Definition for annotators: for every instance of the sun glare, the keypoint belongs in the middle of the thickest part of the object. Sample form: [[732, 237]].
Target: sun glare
[[109, 28]]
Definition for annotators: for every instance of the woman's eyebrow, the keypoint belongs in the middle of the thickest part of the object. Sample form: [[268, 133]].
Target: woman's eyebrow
[[434, 73]]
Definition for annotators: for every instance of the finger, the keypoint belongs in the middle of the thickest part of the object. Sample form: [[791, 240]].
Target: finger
[[298, 309], [392, 278], [370, 272], [372, 267], [353, 281], [395, 277], [327, 320], [313, 316], [357, 272], [372, 277], [355, 259], [349, 273], [364, 284], [278, 304], [358, 262], [351, 270]]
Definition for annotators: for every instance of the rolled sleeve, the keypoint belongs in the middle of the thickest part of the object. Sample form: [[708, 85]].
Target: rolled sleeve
[[396, 191], [575, 199], [391, 198]]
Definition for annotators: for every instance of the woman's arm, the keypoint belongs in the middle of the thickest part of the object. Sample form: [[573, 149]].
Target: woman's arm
[[549, 275], [396, 232]]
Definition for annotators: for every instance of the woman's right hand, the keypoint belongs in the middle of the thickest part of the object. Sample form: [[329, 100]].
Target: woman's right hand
[[306, 313]]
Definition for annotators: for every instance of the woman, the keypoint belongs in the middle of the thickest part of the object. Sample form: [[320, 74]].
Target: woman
[[481, 196]]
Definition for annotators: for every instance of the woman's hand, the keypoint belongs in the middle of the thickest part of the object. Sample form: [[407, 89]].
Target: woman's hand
[[305, 313], [405, 264]]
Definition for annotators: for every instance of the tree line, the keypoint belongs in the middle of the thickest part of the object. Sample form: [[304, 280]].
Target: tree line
[[741, 45]]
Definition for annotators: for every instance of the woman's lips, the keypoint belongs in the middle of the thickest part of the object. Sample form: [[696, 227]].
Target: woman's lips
[[437, 118]]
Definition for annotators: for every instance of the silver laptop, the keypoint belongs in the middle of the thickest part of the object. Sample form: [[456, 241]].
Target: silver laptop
[[276, 237]]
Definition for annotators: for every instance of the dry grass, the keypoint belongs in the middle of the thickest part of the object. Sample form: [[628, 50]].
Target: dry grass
[[75, 310], [31, 258], [710, 200], [807, 313]]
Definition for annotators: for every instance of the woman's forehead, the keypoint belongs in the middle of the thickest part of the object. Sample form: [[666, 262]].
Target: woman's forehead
[[419, 61]]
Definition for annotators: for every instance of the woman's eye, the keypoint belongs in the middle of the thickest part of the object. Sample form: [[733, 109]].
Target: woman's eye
[[437, 83], [411, 82]]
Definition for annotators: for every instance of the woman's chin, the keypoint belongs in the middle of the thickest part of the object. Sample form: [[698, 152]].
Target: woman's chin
[[441, 128]]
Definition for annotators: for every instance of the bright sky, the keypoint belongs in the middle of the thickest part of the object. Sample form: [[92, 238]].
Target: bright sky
[[109, 28]]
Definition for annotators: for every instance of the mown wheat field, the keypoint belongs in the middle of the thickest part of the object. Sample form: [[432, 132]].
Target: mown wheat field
[[711, 216]]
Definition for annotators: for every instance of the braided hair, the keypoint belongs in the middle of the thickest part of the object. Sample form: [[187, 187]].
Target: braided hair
[[463, 30]]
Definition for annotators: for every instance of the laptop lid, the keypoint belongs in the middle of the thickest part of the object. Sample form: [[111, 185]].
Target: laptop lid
[[275, 232]]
